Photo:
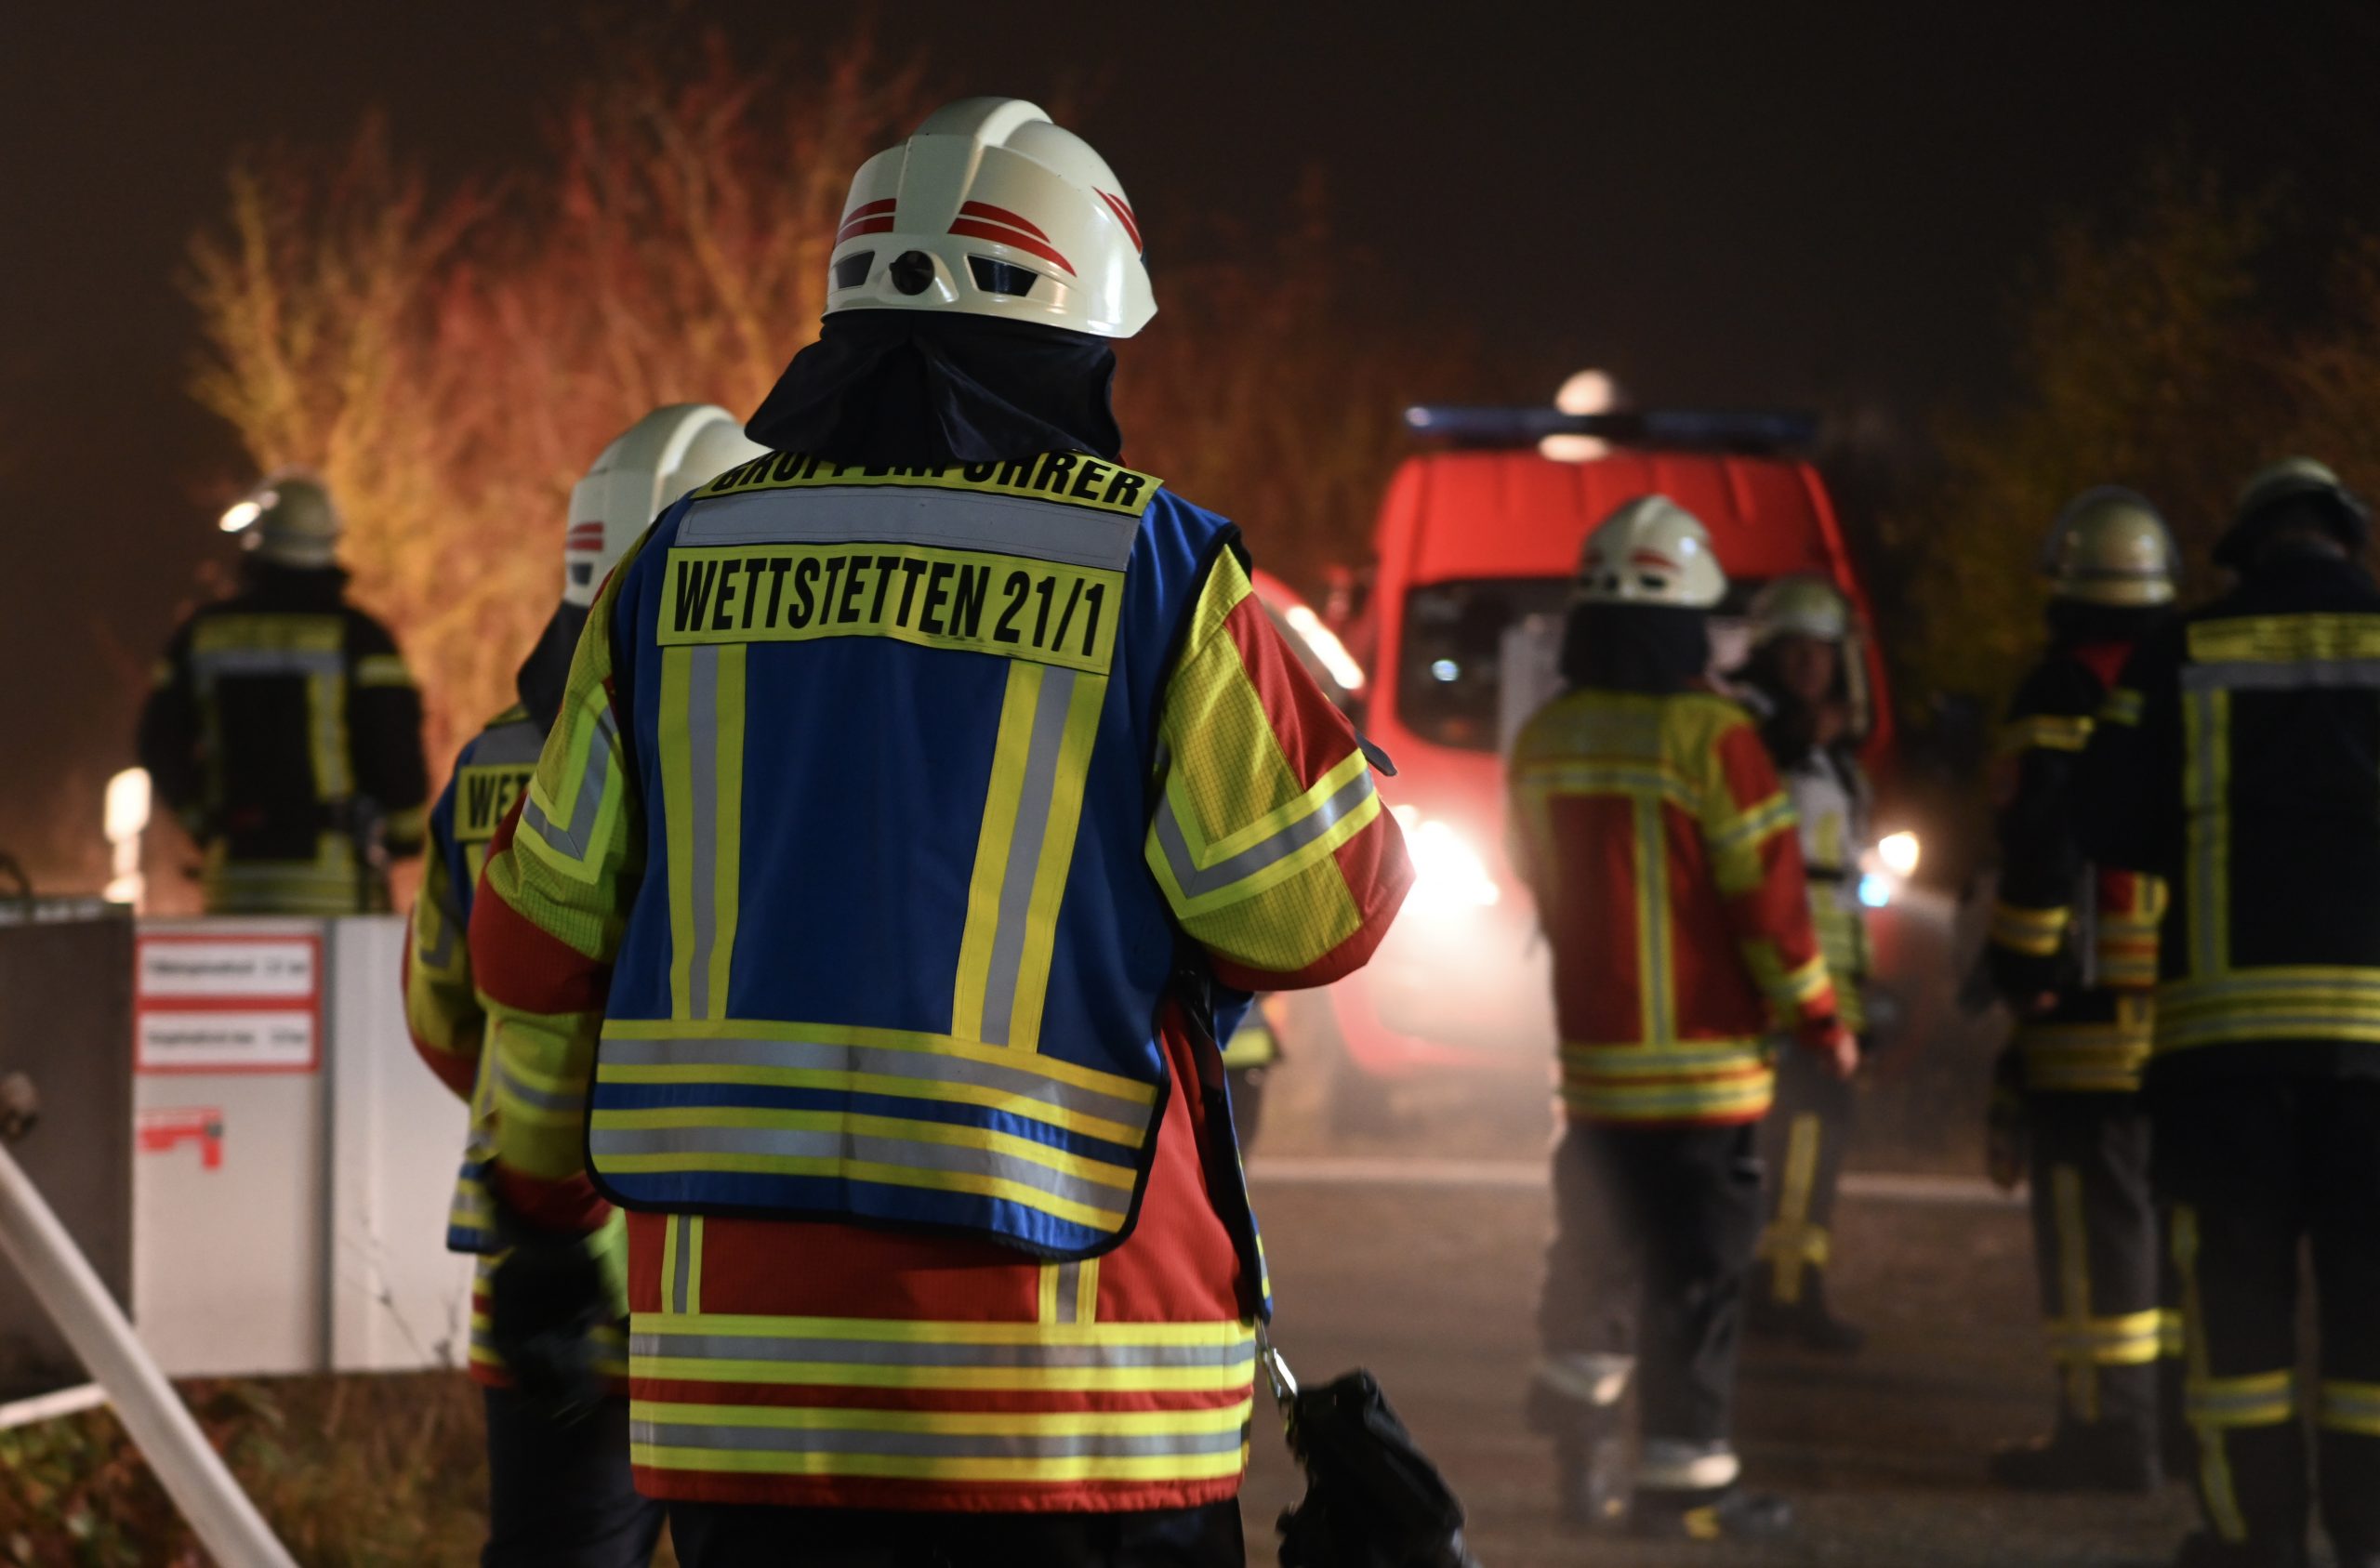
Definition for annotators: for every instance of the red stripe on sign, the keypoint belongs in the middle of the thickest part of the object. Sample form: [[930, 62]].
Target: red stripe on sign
[[859, 226], [1001, 214], [1124, 213], [977, 229]]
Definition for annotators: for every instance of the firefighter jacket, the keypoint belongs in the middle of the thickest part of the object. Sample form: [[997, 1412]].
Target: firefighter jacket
[[284, 731], [443, 1009], [2062, 926], [857, 913], [2239, 758], [1667, 868]]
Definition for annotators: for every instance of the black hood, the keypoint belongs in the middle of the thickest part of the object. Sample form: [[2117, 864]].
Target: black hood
[[2074, 622], [1654, 648], [545, 674], [917, 387], [296, 588]]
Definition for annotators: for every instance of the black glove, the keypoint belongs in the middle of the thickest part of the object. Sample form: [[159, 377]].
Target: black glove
[[549, 1295]]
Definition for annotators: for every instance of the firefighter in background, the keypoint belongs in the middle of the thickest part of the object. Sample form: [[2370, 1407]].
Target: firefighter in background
[[2239, 758], [1799, 685], [915, 788], [1649, 823], [560, 1493], [283, 729], [2073, 950]]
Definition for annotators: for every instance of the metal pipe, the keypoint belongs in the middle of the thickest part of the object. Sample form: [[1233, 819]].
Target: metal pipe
[[194, 1475]]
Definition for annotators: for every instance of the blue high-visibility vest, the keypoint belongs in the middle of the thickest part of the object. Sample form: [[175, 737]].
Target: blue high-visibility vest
[[895, 955]]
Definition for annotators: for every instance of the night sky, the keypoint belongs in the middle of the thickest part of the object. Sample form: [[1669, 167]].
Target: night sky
[[1736, 204]]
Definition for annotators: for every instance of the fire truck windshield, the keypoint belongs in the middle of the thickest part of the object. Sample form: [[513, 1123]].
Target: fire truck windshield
[[1450, 667]]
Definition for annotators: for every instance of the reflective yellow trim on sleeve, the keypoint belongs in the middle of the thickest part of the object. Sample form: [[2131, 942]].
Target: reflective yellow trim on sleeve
[[2343, 1406], [2045, 731], [2124, 706], [382, 670], [2035, 932]]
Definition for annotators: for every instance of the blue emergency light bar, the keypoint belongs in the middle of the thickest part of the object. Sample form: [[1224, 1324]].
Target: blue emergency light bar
[[1700, 430]]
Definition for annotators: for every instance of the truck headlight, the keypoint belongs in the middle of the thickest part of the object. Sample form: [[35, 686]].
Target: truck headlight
[[1447, 873]]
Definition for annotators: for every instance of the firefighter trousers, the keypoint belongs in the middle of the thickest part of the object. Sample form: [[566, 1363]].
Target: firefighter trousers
[[1653, 1237], [2256, 1170], [1801, 1144], [2095, 1251], [736, 1535]]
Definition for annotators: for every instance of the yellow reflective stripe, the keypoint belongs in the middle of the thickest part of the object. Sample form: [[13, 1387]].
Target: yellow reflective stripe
[[2046, 732], [2344, 1407], [1684, 1080], [895, 1354], [406, 827], [1052, 1423], [2126, 1340], [1056, 1070], [1545, 777], [1790, 1243], [1009, 751], [1200, 875], [2074, 1283], [2206, 800], [1752, 826], [726, 834], [1808, 982], [2287, 639], [950, 1134], [1064, 819], [2038, 932], [2172, 1342], [2124, 706], [571, 818], [382, 670], [1650, 875], [2263, 1399], [2278, 1002], [903, 1467]]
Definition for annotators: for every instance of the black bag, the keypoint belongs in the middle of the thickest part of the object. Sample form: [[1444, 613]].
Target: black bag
[[1372, 1499]]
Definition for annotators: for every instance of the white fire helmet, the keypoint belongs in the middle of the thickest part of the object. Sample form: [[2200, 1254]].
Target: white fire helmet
[[1801, 606], [1650, 551], [2111, 546], [992, 210], [288, 518], [654, 461]]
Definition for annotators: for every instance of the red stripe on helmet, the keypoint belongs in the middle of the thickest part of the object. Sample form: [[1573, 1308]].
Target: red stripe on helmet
[[584, 537], [1001, 214], [862, 226], [978, 229], [869, 209], [1124, 211], [1647, 557]]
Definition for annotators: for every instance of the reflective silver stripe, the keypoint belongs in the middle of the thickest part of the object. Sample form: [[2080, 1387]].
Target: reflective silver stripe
[[1196, 882], [213, 662], [575, 840], [915, 515], [518, 742], [1069, 1286], [1033, 797], [649, 1344], [2302, 675], [529, 1094], [933, 1444], [925, 1066], [441, 949], [702, 785], [1652, 851], [612, 1143], [681, 1243]]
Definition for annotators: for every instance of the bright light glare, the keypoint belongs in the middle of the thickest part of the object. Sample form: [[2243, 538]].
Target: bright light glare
[[1445, 669], [1587, 392], [1875, 891], [1447, 873], [1899, 851], [1327, 647], [126, 813], [239, 514]]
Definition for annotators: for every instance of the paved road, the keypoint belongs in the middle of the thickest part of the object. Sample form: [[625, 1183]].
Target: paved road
[[1427, 1270]]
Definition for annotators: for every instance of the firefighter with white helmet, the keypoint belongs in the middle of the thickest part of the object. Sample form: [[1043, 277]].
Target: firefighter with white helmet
[[1803, 683], [1669, 976], [868, 924], [560, 1492], [284, 728], [2073, 951]]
